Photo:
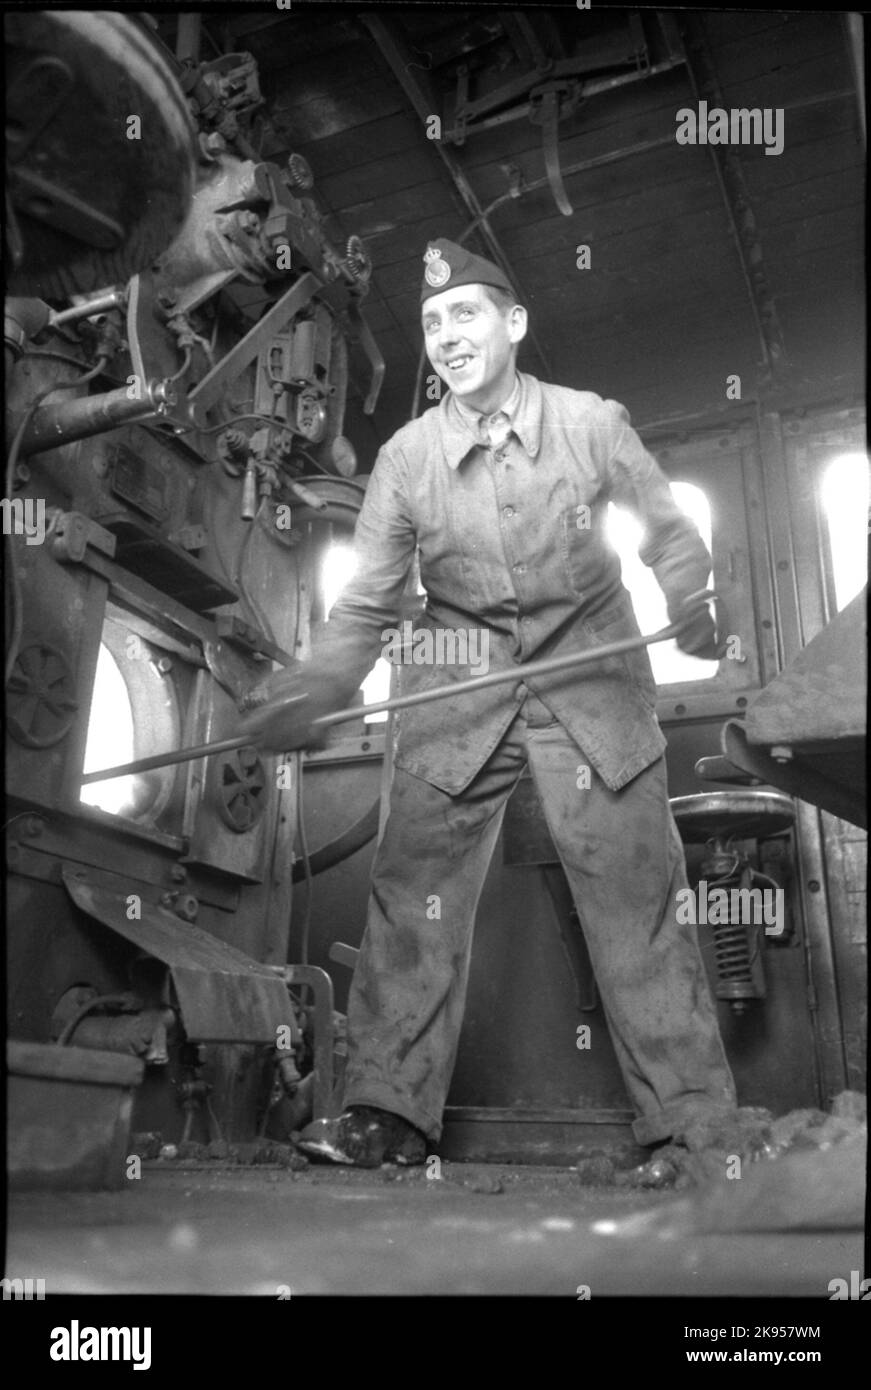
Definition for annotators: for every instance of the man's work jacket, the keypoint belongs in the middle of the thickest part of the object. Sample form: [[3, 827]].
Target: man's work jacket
[[512, 541]]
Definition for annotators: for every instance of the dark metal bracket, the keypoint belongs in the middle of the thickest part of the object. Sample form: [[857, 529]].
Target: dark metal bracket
[[361, 333]]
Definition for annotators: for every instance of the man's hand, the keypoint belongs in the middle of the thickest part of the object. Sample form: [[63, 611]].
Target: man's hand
[[699, 637], [278, 714]]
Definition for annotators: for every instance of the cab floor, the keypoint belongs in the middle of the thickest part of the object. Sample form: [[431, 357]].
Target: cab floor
[[476, 1229]]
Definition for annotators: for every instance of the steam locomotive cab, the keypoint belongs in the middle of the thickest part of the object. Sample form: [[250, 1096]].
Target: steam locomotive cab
[[214, 237]]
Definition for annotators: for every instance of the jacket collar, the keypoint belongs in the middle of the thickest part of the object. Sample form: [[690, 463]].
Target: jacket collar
[[457, 430]]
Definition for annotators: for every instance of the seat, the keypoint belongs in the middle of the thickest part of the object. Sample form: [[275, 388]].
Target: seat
[[732, 815]]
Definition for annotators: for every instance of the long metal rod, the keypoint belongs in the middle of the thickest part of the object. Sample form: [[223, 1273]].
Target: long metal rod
[[589, 88], [423, 697]]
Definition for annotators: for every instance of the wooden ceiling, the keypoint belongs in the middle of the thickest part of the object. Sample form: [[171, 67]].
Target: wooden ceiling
[[664, 314]]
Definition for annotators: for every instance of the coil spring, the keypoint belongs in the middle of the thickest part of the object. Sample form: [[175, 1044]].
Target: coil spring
[[732, 951], [236, 441]]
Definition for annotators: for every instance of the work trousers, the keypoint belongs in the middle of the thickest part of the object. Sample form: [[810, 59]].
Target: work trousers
[[625, 865]]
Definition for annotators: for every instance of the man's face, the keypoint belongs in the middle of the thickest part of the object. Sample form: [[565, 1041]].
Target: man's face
[[472, 344]]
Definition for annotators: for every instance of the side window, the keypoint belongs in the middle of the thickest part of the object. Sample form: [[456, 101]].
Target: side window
[[844, 498], [670, 664], [337, 569]]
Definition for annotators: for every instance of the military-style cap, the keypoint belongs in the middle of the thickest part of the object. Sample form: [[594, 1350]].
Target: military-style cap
[[448, 264]]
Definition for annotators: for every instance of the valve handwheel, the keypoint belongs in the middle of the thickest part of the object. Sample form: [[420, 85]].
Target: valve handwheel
[[40, 700], [357, 260], [241, 789]]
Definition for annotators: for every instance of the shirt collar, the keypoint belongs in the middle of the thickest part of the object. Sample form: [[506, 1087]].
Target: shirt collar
[[459, 425], [476, 419]]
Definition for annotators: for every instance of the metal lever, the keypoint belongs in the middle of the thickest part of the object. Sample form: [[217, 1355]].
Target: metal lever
[[362, 333], [548, 105], [441, 692]]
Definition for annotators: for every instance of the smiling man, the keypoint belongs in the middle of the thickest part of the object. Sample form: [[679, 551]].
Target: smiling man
[[472, 332], [502, 489]]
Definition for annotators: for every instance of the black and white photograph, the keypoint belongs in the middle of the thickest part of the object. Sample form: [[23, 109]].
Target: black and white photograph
[[435, 549]]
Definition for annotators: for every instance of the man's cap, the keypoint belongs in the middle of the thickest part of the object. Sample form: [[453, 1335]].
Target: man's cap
[[448, 265]]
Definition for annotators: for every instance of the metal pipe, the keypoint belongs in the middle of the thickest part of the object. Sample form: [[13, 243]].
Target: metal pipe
[[56, 424], [346, 844], [116, 299], [306, 496], [321, 987], [855, 26], [187, 38], [589, 88], [143, 1034], [422, 697], [119, 1001]]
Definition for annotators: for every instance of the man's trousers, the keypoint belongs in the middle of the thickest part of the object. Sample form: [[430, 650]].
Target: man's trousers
[[624, 862]]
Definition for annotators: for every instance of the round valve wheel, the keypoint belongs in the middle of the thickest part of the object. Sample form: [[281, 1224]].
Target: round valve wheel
[[357, 260], [299, 173], [41, 703], [241, 789]]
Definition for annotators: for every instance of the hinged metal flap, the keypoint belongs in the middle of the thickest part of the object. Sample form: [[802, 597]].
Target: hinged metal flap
[[224, 995], [821, 696]]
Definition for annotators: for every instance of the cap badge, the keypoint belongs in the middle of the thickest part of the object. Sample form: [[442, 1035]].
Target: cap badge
[[437, 272]]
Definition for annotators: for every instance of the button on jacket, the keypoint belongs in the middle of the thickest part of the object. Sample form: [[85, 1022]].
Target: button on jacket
[[512, 547]]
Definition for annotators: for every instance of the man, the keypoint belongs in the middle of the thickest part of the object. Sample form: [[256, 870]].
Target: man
[[503, 489]]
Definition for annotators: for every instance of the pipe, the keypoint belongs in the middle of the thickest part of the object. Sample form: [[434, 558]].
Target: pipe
[[307, 497], [321, 987], [99, 1001], [855, 26], [545, 667], [346, 844], [187, 38], [142, 1034], [116, 299], [24, 422], [53, 425]]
